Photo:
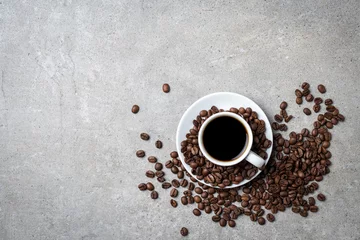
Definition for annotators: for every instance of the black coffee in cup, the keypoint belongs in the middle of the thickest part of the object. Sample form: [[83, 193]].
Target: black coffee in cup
[[225, 138]]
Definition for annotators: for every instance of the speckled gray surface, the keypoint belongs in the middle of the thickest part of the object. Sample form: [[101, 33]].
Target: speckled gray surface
[[71, 70]]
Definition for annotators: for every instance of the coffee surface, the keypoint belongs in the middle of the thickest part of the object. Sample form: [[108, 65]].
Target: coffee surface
[[225, 138]]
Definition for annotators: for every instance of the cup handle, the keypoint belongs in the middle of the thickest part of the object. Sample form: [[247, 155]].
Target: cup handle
[[255, 159]]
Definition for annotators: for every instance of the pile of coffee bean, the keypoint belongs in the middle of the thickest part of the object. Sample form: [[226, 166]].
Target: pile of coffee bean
[[290, 179], [218, 175]]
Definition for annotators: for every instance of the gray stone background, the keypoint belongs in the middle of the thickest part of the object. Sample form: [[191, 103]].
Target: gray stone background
[[71, 70]]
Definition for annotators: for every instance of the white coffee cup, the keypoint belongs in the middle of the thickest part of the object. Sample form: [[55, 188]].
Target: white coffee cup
[[245, 153]]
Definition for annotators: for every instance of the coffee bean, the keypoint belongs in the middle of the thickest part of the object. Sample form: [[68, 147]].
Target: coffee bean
[[321, 197], [283, 113], [270, 217], [140, 153], [316, 108], [309, 98], [298, 93], [222, 222], [231, 223], [307, 111], [299, 100], [180, 175], [159, 174], [288, 118], [278, 118], [150, 174], [152, 159], [303, 213], [174, 169], [275, 126], [184, 231], [166, 88], [184, 200], [158, 144], [135, 109], [166, 185], [283, 105], [142, 186], [154, 195], [305, 85], [144, 136], [175, 183], [183, 182], [174, 192], [174, 154], [150, 186], [283, 127], [173, 203], [196, 212], [328, 101], [169, 164], [261, 220], [158, 166], [216, 218], [191, 186], [321, 88], [318, 100], [161, 179]]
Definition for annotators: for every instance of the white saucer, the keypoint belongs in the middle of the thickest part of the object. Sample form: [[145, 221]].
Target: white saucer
[[224, 100]]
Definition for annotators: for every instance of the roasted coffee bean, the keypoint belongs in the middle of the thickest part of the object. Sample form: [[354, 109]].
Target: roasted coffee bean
[[316, 108], [309, 98], [216, 218], [296, 209], [161, 179], [152, 159], [299, 100], [307, 111], [328, 101], [158, 144], [166, 88], [305, 85], [321, 197], [298, 93], [183, 182], [283, 127], [270, 217], [191, 186], [174, 192], [222, 222], [275, 126], [174, 169], [154, 195], [278, 118], [173, 203], [321, 88], [169, 164], [305, 92], [318, 101], [135, 109], [303, 213], [231, 223], [196, 212], [140, 153], [283, 105], [261, 220], [150, 174], [180, 175], [142, 186], [175, 183], [144, 136], [166, 185], [158, 166], [184, 200], [288, 118], [184, 231], [174, 154], [159, 174], [150, 186]]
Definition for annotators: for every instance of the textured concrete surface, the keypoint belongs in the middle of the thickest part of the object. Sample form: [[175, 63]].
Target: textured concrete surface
[[71, 70]]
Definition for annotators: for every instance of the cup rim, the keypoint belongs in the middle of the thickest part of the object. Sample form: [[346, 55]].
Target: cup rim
[[238, 159]]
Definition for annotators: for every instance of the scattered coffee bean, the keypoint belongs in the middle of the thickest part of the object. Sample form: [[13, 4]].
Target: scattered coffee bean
[[161, 179], [270, 217], [288, 118], [150, 174], [150, 186], [169, 164], [174, 154], [154, 195], [135, 109], [283, 105], [174, 192], [158, 144], [316, 108], [305, 85], [307, 111], [216, 218], [231, 223], [298, 93], [278, 118], [196, 212], [275, 126], [321, 197], [309, 98], [140, 153], [144, 136], [159, 174], [174, 169], [166, 185], [321, 88], [183, 183], [184, 200], [173, 203], [328, 101], [303, 213], [175, 183], [305, 92], [222, 222], [158, 166], [283, 127], [299, 100], [184, 231], [318, 101], [261, 220], [142, 186], [152, 159], [166, 88]]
